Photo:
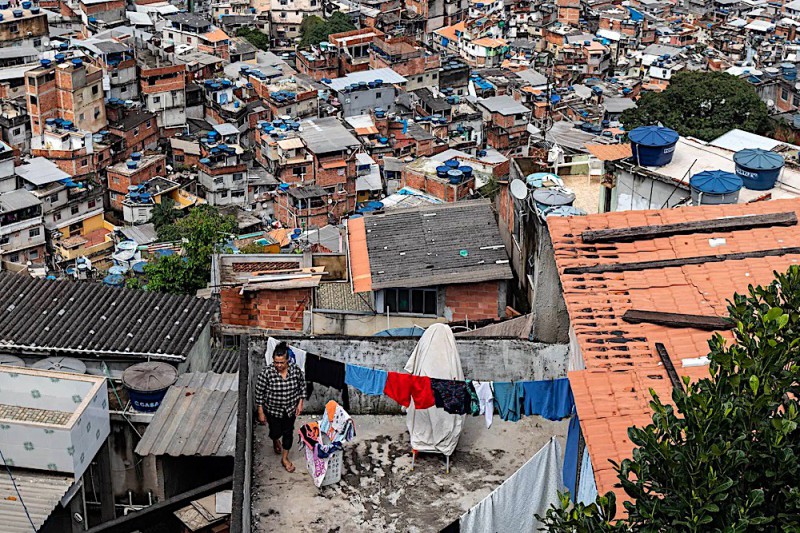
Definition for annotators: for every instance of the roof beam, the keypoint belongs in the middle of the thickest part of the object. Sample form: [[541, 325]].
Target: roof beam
[[677, 320], [668, 366], [668, 263], [638, 233]]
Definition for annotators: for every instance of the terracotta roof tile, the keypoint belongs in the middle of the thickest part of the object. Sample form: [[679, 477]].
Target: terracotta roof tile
[[610, 152], [620, 358]]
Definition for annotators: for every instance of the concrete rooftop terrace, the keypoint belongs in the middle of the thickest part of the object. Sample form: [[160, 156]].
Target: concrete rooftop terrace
[[378, 490]]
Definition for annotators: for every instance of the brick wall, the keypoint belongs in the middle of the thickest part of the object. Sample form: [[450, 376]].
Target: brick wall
[[473, 301], [274, 310]]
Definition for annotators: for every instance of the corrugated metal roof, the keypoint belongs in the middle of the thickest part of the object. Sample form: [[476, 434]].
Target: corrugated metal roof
[[196, 418], [325, 135], [19, 199], [41, 493], [224, 360], [79, 317], [386, 75]]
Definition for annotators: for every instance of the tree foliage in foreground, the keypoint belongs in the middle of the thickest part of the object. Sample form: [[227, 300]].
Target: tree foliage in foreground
[[201, 232], [726, 456], [163, 219], [314, 30], [700, 104]]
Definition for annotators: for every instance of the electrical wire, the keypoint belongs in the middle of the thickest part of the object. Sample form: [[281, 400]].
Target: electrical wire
[[11, 476]]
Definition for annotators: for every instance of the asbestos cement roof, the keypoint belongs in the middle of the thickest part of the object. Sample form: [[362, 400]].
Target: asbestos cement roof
[[196, 418], [435, 245], [74, 317], [386, 75], [16, 200], [325, 135], [41, 171], [41, 493]]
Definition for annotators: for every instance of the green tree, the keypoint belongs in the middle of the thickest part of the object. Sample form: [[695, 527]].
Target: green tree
[[255, 37], [725, 455], [314, 30], [704, 105], [163, 217], [202, 232]]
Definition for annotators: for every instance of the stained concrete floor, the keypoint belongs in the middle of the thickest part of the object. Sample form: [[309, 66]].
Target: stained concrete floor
[[379, 491]]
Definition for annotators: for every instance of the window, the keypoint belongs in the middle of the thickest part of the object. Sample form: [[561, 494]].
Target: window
[[189, 40], [13, 28], [238, 176], [74, 209], [417, 301], [378, 94], [53, 198], [56, 217], [97, 112], [156, 99], [784, 93], [237, 194], [76, 228], [14, 258], [299, 171], [135, 131], [218, 181], [116, 179], [33, 254], [283, 15], [148, 124], [178, 158], [37, 42], [4, 239], [17, 131], [123, 89], [94, 89], [230, 341], [92, 204], [223, 194], [796, 100], [82, 116], [34, 100], [35, 232]]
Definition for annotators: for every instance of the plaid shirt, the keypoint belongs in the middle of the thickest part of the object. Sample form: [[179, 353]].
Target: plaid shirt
[[280, 396]]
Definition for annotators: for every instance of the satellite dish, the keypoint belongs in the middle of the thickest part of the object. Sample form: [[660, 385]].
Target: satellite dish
[[519, 190]]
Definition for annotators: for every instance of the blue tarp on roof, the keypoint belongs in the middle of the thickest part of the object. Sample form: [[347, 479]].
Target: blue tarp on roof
[[636, 16]]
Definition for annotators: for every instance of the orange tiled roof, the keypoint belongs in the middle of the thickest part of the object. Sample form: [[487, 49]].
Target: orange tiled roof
[[620, 357], [450, 31], [610, 152], [359, 255], [214, 36]]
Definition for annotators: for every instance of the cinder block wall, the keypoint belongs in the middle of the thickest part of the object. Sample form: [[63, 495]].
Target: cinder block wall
[[482, 359], [273, 310]]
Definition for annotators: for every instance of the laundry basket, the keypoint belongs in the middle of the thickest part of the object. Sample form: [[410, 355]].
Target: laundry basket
[[335, 462]]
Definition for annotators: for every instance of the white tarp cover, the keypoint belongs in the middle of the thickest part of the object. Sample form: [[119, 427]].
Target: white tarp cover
[[435, 356]]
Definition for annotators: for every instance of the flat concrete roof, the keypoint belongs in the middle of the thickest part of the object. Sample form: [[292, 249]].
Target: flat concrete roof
[[379, 491]]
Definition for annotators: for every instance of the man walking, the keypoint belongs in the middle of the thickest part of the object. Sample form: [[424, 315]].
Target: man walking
[[280, 391]]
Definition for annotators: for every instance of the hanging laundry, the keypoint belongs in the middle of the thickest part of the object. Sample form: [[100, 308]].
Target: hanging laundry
[[474, 402], [450, 395], [570, 470], [324, 371], [513, 506], [367, 380], [298, 356], [486, 397], [403, 387], [508, 399], [551, 399]]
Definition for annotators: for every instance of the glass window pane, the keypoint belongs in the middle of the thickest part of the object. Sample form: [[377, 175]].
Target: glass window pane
[[402, 300], [390, 300], [430, 302], [417, 301]]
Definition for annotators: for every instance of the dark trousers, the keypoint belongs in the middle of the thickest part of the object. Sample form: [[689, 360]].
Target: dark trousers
[[281, 427]]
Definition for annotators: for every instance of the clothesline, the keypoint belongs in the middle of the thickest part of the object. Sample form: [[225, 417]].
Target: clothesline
[[551, 399]]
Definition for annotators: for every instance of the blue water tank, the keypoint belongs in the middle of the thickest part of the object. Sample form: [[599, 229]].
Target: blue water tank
[[45, 62], [466, 170], [759, 169], [789, 71], [653, 146], [713, 187], [452, 163], [455, 176], [441, 171], [136, 156], [132, 164]]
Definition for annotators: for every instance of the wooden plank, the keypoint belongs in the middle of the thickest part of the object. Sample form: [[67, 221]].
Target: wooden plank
[[669, 263], [669, 367], [637, 233], [677, 320]]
